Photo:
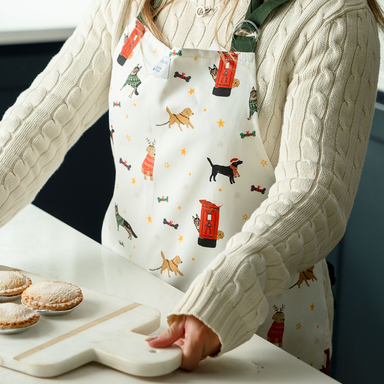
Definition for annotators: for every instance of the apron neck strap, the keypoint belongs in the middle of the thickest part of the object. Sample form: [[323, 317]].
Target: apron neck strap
[[155, 4], [246, 32]]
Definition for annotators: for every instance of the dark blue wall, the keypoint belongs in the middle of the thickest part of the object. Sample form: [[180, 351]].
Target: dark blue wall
[[79, 192], [359, 262]]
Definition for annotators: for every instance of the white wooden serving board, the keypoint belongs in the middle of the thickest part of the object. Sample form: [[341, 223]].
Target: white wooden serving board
[[103, 328]]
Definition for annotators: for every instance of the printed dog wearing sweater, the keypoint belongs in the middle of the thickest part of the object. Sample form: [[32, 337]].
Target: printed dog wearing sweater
[[133, 80], [276, 332], [252, 102], [123, 223], [149, 161], [230, 170]]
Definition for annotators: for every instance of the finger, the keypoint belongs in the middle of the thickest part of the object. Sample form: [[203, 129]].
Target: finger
[[172, 334], [192, 354], [179, 342]]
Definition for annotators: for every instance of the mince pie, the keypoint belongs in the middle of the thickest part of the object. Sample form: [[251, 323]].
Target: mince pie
[[52, 296], [13, 283], [14, 316]]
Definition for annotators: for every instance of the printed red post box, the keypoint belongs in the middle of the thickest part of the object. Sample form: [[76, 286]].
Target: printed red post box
[[209, 224], [225, 74], [133, 39]]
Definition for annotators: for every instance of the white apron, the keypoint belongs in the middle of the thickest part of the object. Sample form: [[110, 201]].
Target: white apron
[[191, 168]]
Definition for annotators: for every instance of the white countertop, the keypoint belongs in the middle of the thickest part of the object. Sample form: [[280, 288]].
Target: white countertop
[[38, 243]]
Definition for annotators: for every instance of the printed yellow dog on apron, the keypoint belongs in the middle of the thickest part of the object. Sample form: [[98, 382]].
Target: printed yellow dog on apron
[[191, 169]]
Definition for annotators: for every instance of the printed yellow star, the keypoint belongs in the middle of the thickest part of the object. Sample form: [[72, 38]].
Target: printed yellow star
[[155, 50], [128, 137], [219, 189], [221, 123], [195, 58], [149, 218], [179, 207], [110, 90], [245, 217], [263, 162], [312, 307], [183, 151], [133, 181], [130, 256], [134, 246], [191, 90], [180, 238], [126, 116], [156, 77], [134, 105], [193, 259], [298, 326], [205, 109], [109, 227], [166, 165], [189, 173]]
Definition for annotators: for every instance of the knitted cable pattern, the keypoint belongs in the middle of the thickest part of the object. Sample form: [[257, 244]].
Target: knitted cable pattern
[[317, 69]]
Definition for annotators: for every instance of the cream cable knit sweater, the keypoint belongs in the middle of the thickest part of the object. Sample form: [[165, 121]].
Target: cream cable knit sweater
[[317, 73]]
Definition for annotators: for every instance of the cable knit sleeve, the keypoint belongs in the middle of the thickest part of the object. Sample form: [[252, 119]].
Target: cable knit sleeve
[[327, 114], [62, 102]]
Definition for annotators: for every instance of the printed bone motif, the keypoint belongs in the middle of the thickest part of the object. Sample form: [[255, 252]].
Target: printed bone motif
[[162, 198], [248, 134], [182, 76], [258, 189], [125, 164], [176, 53], [170, 223], [117, 104]]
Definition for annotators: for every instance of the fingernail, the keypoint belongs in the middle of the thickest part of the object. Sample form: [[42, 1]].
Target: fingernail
[[151, 338]]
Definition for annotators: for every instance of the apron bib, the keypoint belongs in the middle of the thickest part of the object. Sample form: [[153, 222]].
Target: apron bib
[[190, 165]]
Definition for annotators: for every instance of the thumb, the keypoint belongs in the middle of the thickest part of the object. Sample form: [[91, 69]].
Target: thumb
[[172, 334]]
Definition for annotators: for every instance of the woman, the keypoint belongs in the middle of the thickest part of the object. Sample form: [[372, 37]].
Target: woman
[[316, 73]]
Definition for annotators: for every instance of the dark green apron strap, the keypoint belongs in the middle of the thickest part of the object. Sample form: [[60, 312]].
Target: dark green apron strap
[[155, 4], [257, 13]]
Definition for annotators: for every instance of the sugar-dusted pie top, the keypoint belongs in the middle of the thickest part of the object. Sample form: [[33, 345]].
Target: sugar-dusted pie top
[[11, 279], [11, 313], [13, 283], [53, 292]]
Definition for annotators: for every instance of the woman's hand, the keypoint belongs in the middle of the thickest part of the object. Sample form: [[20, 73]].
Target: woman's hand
[[196, 340]]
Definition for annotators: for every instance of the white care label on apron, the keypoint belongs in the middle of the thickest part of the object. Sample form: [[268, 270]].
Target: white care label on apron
[[161, 69], [191, 167]]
